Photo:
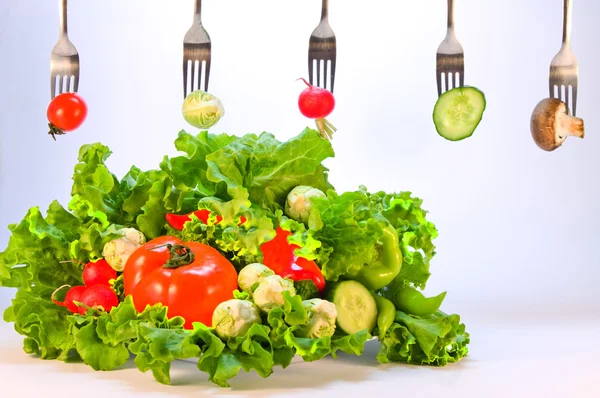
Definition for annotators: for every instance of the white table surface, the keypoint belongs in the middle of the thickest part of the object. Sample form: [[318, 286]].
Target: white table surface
[[518, 357]]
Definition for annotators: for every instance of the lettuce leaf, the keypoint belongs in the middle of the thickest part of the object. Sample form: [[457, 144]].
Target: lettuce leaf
[[37, 261], [267, 169], [287, 321], [349, 226], [415, 232], [436, 340], [239, 242], [235, 177], [189, 173]]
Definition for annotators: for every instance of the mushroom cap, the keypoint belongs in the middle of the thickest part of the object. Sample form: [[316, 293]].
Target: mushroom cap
[[545, 123]]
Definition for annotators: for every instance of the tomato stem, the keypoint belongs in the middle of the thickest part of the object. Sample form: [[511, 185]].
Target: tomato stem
[[54, 131], [304, 80], [180, 255]]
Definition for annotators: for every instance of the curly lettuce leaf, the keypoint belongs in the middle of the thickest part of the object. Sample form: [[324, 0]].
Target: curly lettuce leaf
[[239, 242], [415, 232], [104, 339], [436, 340], [266, 170], [141, 199], [349, 227], [287, 323], [308, 246], [189, 172], [36, 261]]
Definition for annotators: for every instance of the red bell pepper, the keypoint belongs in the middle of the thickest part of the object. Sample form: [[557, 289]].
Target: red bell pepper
[[278, 255]]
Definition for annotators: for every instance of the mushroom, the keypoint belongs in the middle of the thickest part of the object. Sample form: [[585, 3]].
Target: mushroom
[[551, 125]]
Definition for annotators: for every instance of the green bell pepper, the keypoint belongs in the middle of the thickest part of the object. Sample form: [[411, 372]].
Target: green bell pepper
[[413, 302], [383, 271], [386, 313]]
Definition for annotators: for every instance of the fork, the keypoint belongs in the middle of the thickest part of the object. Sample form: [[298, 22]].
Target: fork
[[322, 49], [64, 59], [196, 54], [564, 68], [450, 58]]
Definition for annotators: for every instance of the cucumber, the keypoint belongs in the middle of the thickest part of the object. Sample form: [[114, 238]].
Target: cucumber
[[355, 305], [457, 112]]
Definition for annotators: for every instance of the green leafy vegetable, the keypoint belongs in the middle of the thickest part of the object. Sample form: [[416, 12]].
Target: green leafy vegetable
[[244, 182], [436, 340]]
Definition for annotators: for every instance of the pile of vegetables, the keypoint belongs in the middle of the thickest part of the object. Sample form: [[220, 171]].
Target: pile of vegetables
[[239, 253]]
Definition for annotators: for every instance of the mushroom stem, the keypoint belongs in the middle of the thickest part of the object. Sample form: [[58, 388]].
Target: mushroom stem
[[571, 126]]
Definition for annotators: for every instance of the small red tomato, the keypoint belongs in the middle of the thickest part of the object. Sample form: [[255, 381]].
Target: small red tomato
[[315, 102], [66, 112], [98, 273], [74, 294], [99, 296]]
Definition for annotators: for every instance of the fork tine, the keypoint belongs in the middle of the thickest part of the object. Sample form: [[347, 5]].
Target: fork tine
[[193, 78], [206, 74], [52, 87], [567, 99], [185, 77], [439, 83], [75, 84], [318, 73], [200, 65], [332, 74], [448, 80], [60, 84], [310, 70], [574, 100]]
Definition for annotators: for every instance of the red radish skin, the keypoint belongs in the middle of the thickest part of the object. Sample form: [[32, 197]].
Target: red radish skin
[[74, 294], [99, 297], [98, 273], [317, 103]]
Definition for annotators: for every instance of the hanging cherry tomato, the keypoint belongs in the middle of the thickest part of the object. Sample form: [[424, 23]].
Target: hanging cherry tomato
[[66, 112]]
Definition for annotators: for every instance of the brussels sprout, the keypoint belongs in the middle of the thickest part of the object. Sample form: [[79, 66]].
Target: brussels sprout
[[233, 318], [322, 315], [251, 275], [117, 251], [202, 110], [268, 294], [297, 205]]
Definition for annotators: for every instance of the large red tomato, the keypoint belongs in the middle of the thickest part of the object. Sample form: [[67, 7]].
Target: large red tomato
[[188, 277]]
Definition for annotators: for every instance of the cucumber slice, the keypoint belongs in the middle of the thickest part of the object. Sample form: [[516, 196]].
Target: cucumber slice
[[457, 112], [356, 307]]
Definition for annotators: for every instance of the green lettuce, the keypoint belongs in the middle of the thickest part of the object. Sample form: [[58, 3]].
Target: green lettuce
[[435, 340], [267, 169], [287, 322], [237, 178], [349, 227], [415, 232]]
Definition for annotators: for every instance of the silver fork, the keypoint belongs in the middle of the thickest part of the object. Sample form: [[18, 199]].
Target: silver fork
[[196, 54], [450, 58], [564, 68], [64, 59], [322, 49]]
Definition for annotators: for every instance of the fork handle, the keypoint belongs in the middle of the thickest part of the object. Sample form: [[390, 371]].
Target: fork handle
[[567, 22], [198, 11], [325, 9], [62, 7], [450, 14]]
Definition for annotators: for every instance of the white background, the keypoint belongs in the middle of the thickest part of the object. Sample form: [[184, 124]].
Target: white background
[[518, 227]]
